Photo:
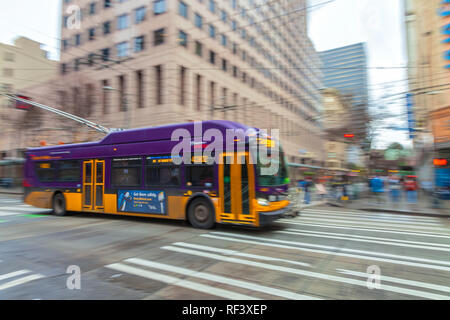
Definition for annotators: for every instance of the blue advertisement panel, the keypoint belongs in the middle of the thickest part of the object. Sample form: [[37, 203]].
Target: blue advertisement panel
[[141, 201]]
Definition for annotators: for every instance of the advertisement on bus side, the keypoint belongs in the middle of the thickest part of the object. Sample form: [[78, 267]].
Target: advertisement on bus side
[[141, 201]]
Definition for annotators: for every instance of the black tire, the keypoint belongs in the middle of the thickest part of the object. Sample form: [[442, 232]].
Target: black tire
[[201, 214], [59, 205]]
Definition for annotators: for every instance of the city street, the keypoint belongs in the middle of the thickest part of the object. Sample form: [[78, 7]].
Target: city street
[[325, 253]]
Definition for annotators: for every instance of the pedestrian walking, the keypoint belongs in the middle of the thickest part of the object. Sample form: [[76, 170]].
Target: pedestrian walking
[[321, 191], [410, 187], [377, 188], [394, 188]]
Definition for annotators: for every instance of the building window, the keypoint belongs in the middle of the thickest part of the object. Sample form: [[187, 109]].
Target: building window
[[235, 72], [107, 4], [122, 22], [158, 37], [92, 7], [212, 31], [63, 68], [159, 6], [234, 25], [198, 93], [122, 49], [91, 34], [182, 96], [183, 9], [77, 39], [223, 40], [105, 54], [212, 57], [223, 15], [183, 38], [65, 45], [198, 48], [224, 65], [139, 14], [198, 21], [140, 88], [212, 94], [212, 6], [139, 44], [122, 105], [234, 4], [234, 48], [159, 84], [107, 27], [106, 93]]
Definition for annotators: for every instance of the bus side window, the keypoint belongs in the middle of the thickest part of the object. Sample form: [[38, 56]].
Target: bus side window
[[69, 171], [200, 175], [45, 171], [126, 172]]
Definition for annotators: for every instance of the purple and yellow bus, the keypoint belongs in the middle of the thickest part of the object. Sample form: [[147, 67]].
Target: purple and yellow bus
[[133, 173]]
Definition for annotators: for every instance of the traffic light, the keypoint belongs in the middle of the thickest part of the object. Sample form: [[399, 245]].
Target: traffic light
[[23, 105]]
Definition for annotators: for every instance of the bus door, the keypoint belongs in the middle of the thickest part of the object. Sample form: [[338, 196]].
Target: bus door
[[93, 185], [236, 189]]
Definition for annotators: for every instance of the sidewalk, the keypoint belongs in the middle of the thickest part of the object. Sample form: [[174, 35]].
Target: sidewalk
[[423, 207]]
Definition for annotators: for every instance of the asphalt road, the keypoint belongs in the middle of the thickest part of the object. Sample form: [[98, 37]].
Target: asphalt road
[[326, 253]]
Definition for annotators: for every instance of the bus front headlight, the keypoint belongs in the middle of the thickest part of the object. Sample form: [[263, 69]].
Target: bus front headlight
[[263, 202]]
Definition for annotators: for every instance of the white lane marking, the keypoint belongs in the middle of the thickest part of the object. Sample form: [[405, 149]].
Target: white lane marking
[[368, 229], [375, 215], [311, 274], [221, 279], [374, 219], [412, 283], [327, 252], [367, 237], [13, 274], [241, 254], [367, 241], [20, 281], [374, 224], [227, 294]]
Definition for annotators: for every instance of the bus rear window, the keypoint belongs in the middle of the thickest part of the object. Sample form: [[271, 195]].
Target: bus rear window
[[45, 171]]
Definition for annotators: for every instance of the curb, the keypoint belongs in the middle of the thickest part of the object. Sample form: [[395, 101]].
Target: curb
[[412, 213], [13, 193]]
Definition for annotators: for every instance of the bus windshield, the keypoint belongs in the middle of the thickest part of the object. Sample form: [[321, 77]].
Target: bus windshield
[[280, 177]]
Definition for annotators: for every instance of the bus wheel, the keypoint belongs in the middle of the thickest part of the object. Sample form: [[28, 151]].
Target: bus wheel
[[59, 205], [200, 214]]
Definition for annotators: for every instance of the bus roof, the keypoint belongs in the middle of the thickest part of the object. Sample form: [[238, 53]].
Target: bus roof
[[149, 134]]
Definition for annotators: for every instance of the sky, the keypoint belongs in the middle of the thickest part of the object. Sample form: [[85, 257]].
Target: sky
[[379, 23]]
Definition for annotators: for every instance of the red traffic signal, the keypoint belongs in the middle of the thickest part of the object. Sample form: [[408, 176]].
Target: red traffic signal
[[349, 135], [440, 162], [23, 105]]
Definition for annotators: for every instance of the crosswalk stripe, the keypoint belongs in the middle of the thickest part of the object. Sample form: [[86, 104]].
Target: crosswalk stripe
[[332, 252], [227, 294], [370, 238], [370, 218], [241, 254], [13, 274], [310, 274], [21, 281], [365, 240], [380, 254], [368, 229], [398, 280], [221, 279], [352, 222]]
